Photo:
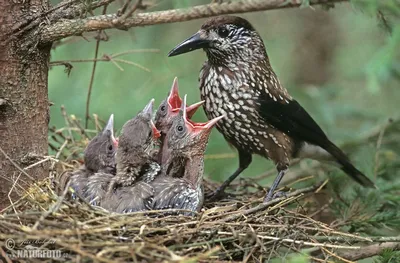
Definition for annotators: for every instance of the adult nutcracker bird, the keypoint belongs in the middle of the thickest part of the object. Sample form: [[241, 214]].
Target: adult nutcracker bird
[[262, 118]]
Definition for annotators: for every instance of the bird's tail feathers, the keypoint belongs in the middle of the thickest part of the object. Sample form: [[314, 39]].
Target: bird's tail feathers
[[345, 165], [358, 176]]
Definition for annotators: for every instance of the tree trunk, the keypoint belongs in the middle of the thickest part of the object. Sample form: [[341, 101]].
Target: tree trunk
[[24, 105]]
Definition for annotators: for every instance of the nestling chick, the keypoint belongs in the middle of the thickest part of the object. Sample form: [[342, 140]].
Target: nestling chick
[[129, 190], [99, 156], [168, 109], [186, 141]]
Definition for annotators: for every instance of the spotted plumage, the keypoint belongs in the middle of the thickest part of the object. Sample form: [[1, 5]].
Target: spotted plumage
[[127, 199], [95, 189], [262, 118], [176, 193]]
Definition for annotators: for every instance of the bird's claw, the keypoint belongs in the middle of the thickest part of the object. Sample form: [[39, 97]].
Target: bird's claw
[[217, 195]]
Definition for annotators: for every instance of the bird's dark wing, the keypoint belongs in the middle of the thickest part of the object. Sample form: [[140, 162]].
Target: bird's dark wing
[[78, 180], [129, 199], [292, 119], [175, 193], [96, 188], [277, 108]]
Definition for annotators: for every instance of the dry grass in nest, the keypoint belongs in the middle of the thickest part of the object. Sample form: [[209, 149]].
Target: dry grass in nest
[[233, 230]]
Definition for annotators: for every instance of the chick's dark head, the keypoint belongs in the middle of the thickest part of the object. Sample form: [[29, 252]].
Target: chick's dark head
[[139, 134], [188, 137], [169, 108], [99, 155]]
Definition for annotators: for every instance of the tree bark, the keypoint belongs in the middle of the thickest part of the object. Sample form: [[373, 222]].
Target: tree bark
[[24, 114]]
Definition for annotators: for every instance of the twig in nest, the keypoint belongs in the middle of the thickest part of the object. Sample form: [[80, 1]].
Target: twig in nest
[[16, 165], [53, 208], [4, 255], [369, 251], [335, 256], [289, 240], [67, 123], [263, 206]]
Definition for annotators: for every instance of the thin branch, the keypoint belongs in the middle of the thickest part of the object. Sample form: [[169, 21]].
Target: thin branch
[[16, 165], [289, 240], [65, 28], [106, 58], [369, 251], [123, 17], [276, 201], [96, 53]]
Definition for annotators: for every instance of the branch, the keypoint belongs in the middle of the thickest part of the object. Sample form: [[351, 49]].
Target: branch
[[262, 206], [105, 58], [369, 251], [66, 28]]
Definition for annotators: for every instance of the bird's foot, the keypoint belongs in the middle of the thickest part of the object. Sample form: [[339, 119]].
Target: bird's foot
[[271, 197], [218, 195]]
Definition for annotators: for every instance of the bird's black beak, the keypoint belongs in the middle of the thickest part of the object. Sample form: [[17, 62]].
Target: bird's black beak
[[192, 43]]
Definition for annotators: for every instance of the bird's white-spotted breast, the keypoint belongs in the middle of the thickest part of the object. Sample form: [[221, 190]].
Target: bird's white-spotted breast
[[230, 92]]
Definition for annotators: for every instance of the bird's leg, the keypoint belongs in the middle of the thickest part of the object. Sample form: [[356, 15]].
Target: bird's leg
[[244, 161], [270, 195]]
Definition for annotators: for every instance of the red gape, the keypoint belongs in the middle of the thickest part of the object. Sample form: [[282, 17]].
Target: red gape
[[175, 101], [197, 127], [116, 141]]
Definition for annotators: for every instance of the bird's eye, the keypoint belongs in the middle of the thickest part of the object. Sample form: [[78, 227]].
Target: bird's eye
[[223, 32], [163, 108], [180, 128], [110, 147]]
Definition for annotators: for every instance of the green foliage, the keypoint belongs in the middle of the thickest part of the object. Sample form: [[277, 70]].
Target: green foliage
[[388, 256], [374, 212], [385, 62], [292, 258], [305, 3]]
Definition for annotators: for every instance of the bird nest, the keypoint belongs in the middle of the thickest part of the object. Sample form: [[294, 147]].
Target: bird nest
[[238, 228]]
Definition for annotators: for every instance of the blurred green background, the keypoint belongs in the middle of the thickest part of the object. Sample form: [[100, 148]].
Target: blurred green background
[[341, 65]]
